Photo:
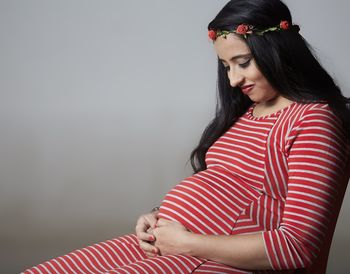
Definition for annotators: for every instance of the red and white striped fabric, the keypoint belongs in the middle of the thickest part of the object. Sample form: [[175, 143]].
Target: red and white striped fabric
[[276, 175]]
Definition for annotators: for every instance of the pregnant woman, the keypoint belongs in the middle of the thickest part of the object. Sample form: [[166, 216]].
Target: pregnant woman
[[266, 170]]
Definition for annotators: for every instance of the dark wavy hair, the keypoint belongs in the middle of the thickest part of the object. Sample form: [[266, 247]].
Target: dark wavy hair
[[285, 59]]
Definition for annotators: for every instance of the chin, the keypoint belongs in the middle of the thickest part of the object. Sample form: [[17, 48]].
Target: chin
[[254, 99]]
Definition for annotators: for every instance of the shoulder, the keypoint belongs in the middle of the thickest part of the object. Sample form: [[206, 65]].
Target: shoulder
[[317, 122], [321, 109], [316, 128], [315, 112]]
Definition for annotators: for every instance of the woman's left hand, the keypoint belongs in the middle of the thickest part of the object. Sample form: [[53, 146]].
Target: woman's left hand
[[170, 237]]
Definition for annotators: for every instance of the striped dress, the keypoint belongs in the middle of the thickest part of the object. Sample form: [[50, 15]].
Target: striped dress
[[276, 175]]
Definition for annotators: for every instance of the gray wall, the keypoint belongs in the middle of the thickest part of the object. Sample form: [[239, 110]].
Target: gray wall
[[101, 103]]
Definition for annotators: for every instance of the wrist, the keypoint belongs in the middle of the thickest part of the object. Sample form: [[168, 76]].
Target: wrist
[[190, 241]]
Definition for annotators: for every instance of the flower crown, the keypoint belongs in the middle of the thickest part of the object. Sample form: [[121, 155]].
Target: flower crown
[[244, 29]]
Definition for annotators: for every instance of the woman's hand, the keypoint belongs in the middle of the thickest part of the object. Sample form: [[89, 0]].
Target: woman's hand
[[171, 237], [144, 232]]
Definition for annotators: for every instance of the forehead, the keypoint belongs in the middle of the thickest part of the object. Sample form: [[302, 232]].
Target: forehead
[[231, 46]]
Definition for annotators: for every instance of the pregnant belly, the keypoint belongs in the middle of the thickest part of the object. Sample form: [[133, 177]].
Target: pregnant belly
[[208, 202]]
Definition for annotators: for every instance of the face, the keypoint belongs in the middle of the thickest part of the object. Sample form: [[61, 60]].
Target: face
[[242, 70]]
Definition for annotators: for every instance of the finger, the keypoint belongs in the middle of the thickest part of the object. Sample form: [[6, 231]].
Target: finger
[[150, 230], [151, 219], [142, 225], [146, 237], [140, 228], [151, 255], [145, 221], [146, 247]]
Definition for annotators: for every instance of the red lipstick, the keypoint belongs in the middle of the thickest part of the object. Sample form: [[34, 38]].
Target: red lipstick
[[247, 88]]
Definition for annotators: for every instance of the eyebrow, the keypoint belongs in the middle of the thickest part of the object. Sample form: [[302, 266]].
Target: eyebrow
[[237, 57]]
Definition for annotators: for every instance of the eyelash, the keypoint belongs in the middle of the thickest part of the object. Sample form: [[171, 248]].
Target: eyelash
[[243, 65]]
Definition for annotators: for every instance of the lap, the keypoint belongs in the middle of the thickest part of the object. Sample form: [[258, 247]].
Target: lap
[[123, 255]]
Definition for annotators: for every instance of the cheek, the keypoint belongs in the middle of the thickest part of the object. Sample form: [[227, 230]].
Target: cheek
[[258, 80], [264, 83], [261, 80], [255, 75]]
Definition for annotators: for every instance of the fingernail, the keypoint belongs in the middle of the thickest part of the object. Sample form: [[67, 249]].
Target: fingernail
[[151, 238], [155, 251]]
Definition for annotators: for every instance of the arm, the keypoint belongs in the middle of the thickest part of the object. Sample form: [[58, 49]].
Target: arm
[[316, 158], [317, 154], [242, 251]]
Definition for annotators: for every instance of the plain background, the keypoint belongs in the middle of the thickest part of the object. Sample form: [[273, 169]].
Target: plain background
[[101, 103]]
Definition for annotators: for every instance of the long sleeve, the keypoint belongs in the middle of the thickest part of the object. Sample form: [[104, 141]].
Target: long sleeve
[[317, 155]]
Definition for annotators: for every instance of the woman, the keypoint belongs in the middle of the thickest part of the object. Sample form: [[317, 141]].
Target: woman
[[266, 168]]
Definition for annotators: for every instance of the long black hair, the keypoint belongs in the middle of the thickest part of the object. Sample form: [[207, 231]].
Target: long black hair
[[283, 57]]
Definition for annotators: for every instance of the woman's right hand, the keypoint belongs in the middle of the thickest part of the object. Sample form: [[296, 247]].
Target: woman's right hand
[[144, 232]]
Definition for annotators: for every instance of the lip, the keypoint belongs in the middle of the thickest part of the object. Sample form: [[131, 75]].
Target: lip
[[247, 88]]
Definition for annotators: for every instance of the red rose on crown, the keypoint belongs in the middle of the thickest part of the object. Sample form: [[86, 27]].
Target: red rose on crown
[[284, 25], [242, 29], [212, 34]]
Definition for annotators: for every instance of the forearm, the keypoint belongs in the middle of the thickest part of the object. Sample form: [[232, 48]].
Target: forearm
[[241, 251]]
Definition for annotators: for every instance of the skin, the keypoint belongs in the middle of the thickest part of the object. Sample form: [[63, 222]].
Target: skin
[[241, 251], [242, 70], [144, 232]]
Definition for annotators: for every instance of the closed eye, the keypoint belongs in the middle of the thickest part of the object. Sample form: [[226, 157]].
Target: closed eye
[[245, 64], [242, 65]]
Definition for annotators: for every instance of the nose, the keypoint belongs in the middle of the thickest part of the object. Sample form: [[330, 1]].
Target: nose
[[236, 79]]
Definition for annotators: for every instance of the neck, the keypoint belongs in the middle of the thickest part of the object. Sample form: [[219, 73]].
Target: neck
[[271, 106]]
